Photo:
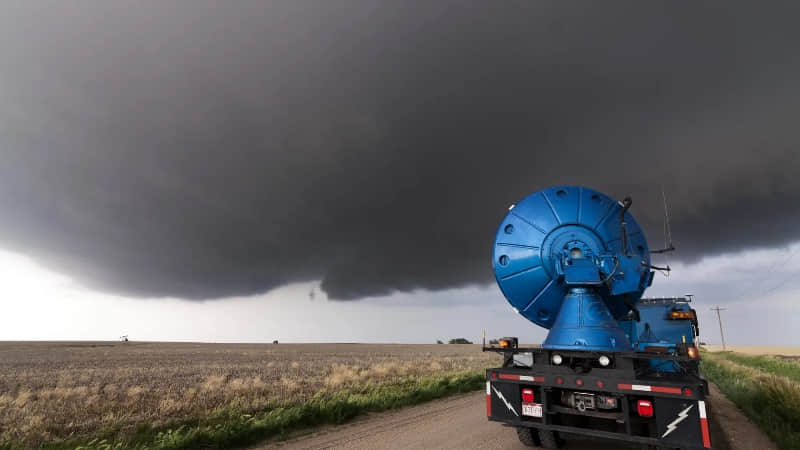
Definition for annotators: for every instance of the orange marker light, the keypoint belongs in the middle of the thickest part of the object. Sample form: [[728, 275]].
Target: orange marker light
[[681, 315]]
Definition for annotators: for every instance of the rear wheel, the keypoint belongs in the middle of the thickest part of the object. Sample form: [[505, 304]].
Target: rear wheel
[[550, 439], [528, 437]]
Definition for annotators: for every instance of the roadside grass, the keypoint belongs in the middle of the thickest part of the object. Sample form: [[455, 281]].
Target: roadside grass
[[787, 368], [231, 428], [770, 400]]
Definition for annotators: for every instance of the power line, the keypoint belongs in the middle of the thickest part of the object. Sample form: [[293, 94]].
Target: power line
[[771, 276]]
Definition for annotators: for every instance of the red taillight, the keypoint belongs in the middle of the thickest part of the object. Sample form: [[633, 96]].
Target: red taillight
[[579, 382], [644, 408], [600, 384], [527, 395], [687, 391], [560, 380]]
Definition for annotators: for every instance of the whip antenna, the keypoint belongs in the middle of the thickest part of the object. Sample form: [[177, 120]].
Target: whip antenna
[[667, 229], [668, 247]]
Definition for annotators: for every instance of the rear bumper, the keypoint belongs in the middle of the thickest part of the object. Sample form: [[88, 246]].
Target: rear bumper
[[679, 420], [596, 434]]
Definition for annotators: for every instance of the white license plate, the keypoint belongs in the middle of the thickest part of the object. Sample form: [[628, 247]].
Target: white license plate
[[532, 409]]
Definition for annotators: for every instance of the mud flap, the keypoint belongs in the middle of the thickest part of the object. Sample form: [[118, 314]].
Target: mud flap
[[681, 422], [504, 400]]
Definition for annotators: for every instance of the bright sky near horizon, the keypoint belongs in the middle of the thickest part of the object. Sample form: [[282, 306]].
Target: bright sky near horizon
[[758, 287]]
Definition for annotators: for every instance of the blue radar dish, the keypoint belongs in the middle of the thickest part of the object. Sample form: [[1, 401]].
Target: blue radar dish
[[568, 236]]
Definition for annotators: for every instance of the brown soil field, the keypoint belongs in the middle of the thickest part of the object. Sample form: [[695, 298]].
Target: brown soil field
[[757, 350], [57, 389]]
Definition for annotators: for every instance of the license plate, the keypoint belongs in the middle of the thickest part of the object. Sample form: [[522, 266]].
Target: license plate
[[532, 409]]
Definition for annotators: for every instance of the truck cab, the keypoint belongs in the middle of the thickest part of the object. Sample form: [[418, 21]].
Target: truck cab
[[662, 320], [665, 325]]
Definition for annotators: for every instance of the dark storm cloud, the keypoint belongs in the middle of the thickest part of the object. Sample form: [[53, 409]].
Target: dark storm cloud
[[196, 150]]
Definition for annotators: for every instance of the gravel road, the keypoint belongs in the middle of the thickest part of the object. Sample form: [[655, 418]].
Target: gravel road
[[460, 423]]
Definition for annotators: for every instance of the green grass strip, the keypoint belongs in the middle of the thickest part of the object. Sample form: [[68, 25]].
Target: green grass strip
[[770, 401], [787, 368], [232, 429]]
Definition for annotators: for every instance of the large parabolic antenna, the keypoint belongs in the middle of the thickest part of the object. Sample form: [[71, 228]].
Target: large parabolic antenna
[[573, 260]]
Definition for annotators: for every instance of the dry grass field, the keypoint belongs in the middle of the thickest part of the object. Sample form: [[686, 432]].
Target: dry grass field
[[758, 350], [56, 390]]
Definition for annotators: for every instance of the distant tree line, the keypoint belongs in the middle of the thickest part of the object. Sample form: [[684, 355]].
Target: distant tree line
[[465, 341]]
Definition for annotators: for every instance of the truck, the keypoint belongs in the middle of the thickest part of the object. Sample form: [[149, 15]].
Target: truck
[[615, 365]]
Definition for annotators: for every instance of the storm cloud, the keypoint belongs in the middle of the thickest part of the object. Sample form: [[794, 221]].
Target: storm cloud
[[194, 150]]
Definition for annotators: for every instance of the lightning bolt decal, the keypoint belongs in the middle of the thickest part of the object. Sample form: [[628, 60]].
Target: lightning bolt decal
[[681, 416], [508, 404]]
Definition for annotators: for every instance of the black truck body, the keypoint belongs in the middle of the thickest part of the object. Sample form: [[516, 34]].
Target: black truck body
[[581, 397]]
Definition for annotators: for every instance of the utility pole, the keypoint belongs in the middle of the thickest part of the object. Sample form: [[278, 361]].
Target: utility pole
[[719, 319]]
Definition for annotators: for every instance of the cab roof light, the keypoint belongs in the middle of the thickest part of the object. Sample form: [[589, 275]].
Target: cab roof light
[[681, 315]]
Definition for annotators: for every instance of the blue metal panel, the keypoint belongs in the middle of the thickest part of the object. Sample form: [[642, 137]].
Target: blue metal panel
[[582, 272], [661, 329]]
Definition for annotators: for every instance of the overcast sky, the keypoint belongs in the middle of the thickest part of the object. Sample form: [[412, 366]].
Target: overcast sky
[[186, 171]]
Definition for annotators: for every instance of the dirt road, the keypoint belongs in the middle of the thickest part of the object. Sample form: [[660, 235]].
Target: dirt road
[[453, 423]]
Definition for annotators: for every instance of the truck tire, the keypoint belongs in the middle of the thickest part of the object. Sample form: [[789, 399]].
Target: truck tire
[[549, 439], [528, 436]]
